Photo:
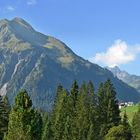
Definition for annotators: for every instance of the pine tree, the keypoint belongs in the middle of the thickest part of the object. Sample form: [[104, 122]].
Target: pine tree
[[118, 133], [127, 127], [107, 107], [58, 92], [74, 92], [72, 102], [67, 135], [101, 110], [58, 100], [113, 109], [59, 114], [82, 113], [93, 132], [4, 115], [92, 135], [91, 94], [25, 123], [125, 120], [47, 129]]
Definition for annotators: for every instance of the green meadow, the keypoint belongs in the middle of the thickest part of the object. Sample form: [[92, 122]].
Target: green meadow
[[130, 111]]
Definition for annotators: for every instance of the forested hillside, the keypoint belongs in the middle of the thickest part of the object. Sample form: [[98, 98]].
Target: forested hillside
[[78, 114]]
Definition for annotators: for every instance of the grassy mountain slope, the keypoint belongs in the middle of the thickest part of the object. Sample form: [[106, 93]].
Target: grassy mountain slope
[[130, 111]]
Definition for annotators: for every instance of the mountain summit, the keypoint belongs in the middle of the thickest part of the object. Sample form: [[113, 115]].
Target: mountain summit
[[36, 62], [132, 80]]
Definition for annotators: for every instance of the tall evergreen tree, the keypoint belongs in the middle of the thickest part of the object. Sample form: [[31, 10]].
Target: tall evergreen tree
[[59, 114], [25, 123], [127, 127], [58, 101], [118, 133], [82, 113], [91, 94], [74, 92], [47, 129], [72, 102], [107, 108], [93, 132], [125, 120], [67, 129], [4, 115]]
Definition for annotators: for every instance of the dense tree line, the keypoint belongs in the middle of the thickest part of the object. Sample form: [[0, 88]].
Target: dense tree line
[[78, 114]]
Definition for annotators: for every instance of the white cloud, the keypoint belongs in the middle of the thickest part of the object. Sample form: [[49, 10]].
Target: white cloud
[[10, 8], [31, 2], [119, 53]]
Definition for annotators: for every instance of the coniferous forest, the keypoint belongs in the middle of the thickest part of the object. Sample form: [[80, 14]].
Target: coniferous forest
[[78, 114]]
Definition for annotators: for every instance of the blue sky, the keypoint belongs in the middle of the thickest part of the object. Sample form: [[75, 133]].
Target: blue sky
[[106, 32]]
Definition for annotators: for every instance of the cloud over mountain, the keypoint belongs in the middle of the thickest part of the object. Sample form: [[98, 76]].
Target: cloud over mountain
[[119, 53]]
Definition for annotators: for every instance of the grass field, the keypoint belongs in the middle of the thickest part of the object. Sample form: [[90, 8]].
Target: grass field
[[130, 111]]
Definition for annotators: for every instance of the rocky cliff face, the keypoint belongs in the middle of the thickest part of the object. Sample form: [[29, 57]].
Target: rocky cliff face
[[132, 80], [38, 63]]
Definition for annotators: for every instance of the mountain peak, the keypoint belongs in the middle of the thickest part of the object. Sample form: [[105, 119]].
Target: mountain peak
[[16, 31], [17, 34], [131, 80], [15, 23], [115, 69], [22, 22], [4, 22], [18, 19]]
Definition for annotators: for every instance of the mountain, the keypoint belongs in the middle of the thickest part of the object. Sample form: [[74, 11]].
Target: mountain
[[38, 63], [132, 80]]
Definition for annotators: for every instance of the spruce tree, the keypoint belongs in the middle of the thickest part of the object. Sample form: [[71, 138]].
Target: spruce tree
[[59, 114], [67, 129], [118, 133], [107, 108], [101, 109], [125, 120], [91, 94], [93, 132], [127, 127], [25, 123], [82, 113], [72, 102], [74, 93], [47, 129], [4, 115]]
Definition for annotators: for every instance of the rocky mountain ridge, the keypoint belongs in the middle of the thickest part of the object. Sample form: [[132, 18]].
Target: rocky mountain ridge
[[130, 79], [38, 63]]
